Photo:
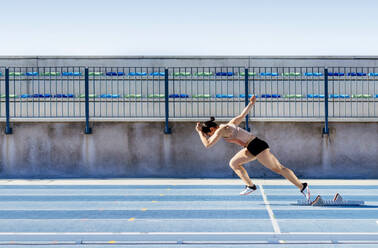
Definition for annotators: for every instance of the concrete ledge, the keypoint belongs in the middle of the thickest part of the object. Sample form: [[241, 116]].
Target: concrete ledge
[[65, 120]]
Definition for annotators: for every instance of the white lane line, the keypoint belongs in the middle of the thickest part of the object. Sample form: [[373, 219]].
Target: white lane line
[[189, 233], [276, 228]]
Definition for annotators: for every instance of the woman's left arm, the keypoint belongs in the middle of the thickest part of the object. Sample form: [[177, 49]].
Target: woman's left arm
[[238, 119]]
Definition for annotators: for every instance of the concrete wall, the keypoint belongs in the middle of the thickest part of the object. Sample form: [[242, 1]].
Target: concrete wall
[[43, 150], [196, 61]]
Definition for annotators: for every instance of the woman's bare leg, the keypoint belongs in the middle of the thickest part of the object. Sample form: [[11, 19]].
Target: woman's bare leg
[[271, 162], [236, 163]]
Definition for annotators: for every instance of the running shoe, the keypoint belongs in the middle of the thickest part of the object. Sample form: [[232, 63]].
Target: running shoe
[[306, 191], [248, 190]]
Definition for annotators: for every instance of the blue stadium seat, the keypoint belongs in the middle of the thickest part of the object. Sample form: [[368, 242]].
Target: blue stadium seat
[[0, 74], [344, 96], [178, 96], [373, 74], [137, 74], [112, 73], [31, 73], [334, 96], [223, 96], [276, 96], [336, 74], [356, 74], [313, 74], [315, 96], [376, 96], [41, 95], [64, 96], [71, 74], [273, 74], [243, 95], [266, 96], [224, 74], [110, 96], [157, 74]]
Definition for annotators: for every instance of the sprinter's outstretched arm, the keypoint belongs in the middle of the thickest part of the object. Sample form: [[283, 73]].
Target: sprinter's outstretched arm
[[238, 119]]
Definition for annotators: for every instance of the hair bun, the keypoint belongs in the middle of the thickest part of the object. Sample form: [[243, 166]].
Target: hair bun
[[212, 118]]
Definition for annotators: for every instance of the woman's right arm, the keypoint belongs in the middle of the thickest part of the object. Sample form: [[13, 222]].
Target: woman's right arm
[[208, 142]]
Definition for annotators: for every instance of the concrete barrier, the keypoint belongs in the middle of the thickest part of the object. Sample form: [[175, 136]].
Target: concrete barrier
[[141, 149]]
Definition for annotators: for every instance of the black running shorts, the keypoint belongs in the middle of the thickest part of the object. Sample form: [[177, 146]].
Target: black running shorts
[[256, 146]]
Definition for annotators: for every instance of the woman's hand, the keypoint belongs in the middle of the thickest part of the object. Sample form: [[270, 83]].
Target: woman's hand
[[252, 99], [198, 127]]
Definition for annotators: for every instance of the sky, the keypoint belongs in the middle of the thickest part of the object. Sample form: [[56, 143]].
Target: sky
[[192, 27]]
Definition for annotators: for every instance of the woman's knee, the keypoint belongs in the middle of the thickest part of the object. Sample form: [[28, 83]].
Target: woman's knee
[[234, 164]]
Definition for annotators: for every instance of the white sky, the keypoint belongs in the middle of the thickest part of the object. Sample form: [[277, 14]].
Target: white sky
[[174, 27]]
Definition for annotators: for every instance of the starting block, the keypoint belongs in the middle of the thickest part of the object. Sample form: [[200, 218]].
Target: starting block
[[337, 201]]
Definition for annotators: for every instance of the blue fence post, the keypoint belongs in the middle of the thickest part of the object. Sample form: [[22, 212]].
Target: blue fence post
[[8, 129], [88, 130], [246, 97], [167, 130], [325, 129]]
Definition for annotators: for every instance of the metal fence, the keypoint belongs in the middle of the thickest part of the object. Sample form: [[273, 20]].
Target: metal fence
[[188, 92]]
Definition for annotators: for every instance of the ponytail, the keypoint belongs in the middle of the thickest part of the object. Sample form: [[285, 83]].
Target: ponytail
[[208, 124]]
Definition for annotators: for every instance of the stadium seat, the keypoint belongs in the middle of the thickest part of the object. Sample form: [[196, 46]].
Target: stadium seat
[[137, 74], [291, 74], [178, 96], [336, 74], [313, 74], [25, 96], [15, 74], [50, 73], [315, 96], [110, 96], [293, 96], [41, 95], [112, 73], [373, 74], [266, 96], [249, 74], [159, 74], [181, 74], [361, 96], [31, 73], [201, 96], [71, 74], [156, 96], [90, 96], [91, 73], [10, 96], [243, 95], [271, 74], [223, 96], [354, 74], [201, 74], [133, 96], [64, 96], [228, 74]]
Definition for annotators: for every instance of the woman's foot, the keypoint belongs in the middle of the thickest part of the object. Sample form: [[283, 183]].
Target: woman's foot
[[248, 190], [306, 191]]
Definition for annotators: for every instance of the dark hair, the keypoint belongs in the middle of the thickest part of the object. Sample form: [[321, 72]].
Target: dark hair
[[208, 124]]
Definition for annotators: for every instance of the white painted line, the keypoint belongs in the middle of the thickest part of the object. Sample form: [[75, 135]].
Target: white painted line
[[377, 221], [187, 233], [270, 212], [170, 181]]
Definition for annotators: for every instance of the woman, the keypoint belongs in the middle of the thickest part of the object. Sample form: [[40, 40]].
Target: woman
[[254, 148]]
